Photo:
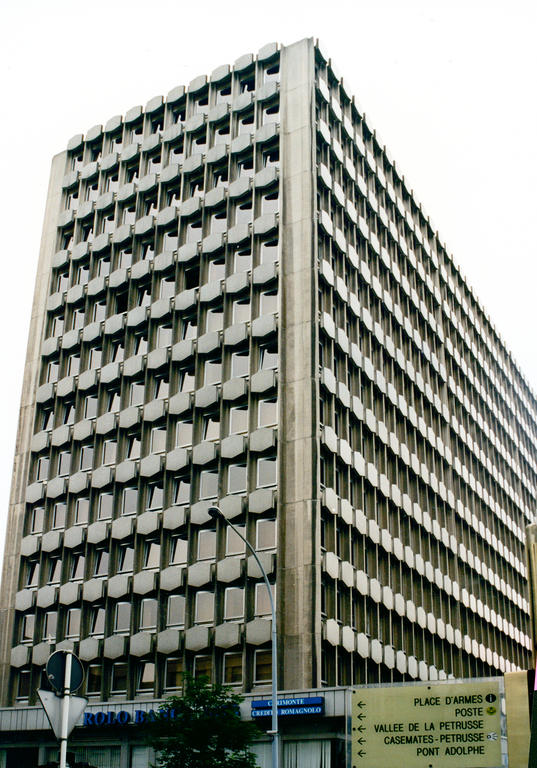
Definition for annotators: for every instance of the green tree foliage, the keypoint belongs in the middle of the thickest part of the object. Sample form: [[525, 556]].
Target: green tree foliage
[[203, 729]]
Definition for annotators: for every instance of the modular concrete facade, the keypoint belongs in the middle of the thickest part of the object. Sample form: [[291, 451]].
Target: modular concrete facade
[[240, 301]]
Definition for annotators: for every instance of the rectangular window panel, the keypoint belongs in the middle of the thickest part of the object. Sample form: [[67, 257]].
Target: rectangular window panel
[[176, 611], [206, 545], [122, 620], [179, 551], [146, 677], [119, 678], [232, 668], [233, 603], [263, 667], [265, 534], [204, 613], [148, 613], [130, 501], [234, 544], [266, 472], [106, 506], [262, 599], [173, 679]]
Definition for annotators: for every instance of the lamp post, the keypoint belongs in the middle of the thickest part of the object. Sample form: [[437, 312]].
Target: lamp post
[[217, 514]]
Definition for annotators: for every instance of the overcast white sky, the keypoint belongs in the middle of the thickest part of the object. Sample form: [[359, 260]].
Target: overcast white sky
[[448, 84]]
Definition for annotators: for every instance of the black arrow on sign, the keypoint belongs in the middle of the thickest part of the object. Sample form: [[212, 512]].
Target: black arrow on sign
[[359, 728], [361, 753], [361, 716], [360, 704], [361, 740]]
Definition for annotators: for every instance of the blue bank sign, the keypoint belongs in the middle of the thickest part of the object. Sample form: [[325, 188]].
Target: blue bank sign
[[313, 705]]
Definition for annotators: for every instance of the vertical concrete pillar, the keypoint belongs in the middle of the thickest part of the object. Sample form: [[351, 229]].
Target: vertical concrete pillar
[[15, 523], [298, 551]]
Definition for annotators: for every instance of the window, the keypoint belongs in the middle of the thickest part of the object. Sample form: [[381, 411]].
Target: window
[[268, 357], [243, 212], [241, 311], [49, 625], [113, 401], [268, 253], [82, 510], [140, 344], [94, 679], [176, 611], [109, 451], [57, 325], [263, 667], [246, 123], [125, 559], [245, 167], [212, 372], [64, 463], [236, 478], [232, 669], [240, 363], [178, 550], [267, 413], [136, 393], [238, 420], [146, 677], [32, 579], [183, 433], [23, 688], [218, 223], [204, 612], [190, 328], [101, 563], [151, 555], [242, 260], [129, 501], [77, 319], [162, 387], [233, 603], [72, 627], [122, 618], [203, 666], [262, 600], [206, 545], [269, 203], [133, 446], [58, 515], [105, 506], [208, 484], [214, 319], [266, 472], [167, 288], [27, 627], [271, 156], [211, 427], [158, 439], [155, 496], [173, 676], [36, 519], [148, 613], [103, 267], [268, 303], [77, 571], [216, 270], [46, 419], [95, 357], [90, 407], [53, 370], [55, 570], [97, 622], [73, 365], [181, 491], [271, 113], [98, 313], [119, 678], [234, 544], [42, 466], [61, 282], [69, 413], [164, 336], [86, 457], [265, 534]]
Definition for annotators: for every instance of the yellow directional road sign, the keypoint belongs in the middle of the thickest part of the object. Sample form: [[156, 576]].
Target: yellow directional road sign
[[437, 725]]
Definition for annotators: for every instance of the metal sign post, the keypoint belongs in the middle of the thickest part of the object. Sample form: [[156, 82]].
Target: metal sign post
[[65, 710]]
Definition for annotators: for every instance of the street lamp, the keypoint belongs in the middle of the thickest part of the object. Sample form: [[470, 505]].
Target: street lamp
[[216, 514]]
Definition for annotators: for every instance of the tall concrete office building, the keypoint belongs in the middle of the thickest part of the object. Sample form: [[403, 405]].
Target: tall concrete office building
[[240, 301]]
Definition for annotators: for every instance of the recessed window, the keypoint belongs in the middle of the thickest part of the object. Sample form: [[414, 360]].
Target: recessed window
[[105, 506], [271, 113], [183, 434], [164, 336], [240, 363], [50, 624], [133, 446], [203, 667], [86, 457], [214, 319], [266, 472], [36, 519], [151, 554], [129, 501], [59, 514], [223, 93], [64, 463], [268, 303], [208, 484], [234, 544], [69, 413], [270, 203], [109, 451], [23, 687], [243, 212], [263, 667], [178, 550], [268, 252], [46, 419], [148, 613], [42, 468], [193, 228], [245, 167], [140, 347], [155, 496], [27, 627], [122, 618], [117, 352], [265, 534], [136, 393], [95, 357], [57, 325], [97, 622], [146, 677], [79, 564], [162, 387], [233, 603], [98, 312], [181, 491], [176, 611], [238, 420], [82, 274], [187, 381], [242, 260], [206, 545], [103, 267], [241, 311], [268, 357], [72, 628], [190, 328], [101, 563], [90, 407], [204, 612], [236, 478], [247, 83], [232, 669], [32, 578], [246, 123], [53, 369], [271, 157], [218, 223], [173, 676], [262, 599], [77, 319], [82, 510], [211, 427], [125, 559], [167, 288], [158, 439], [94, 679], [212, 372], [267, 413], [73, 365], [119, 678]]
